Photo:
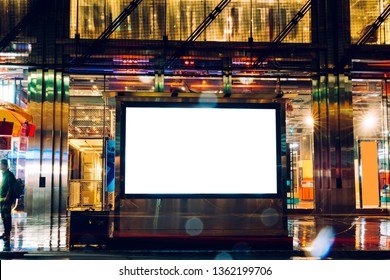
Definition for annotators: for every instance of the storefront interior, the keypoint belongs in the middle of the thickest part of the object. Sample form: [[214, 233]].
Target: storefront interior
[[90, 115]]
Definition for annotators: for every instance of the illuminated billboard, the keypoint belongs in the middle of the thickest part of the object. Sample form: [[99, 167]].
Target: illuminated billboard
[[223, 150]]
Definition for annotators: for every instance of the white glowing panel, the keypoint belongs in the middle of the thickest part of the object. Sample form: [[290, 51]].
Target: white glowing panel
[[188, 151]]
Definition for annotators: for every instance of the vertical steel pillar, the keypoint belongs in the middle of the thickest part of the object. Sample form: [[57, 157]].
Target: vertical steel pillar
[[227, 76], [47, 156], [333, 145], [159, 81], [332, 110]]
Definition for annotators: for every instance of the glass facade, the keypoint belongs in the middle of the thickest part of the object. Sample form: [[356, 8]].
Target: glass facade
[[91, 124], [262, 20], [363, 15], [11, 13], [371, 132]]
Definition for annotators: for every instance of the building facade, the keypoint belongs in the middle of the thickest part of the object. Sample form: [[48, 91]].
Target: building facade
[[325, 60]]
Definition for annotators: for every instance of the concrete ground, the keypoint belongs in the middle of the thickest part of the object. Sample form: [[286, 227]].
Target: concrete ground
[[313, 237]]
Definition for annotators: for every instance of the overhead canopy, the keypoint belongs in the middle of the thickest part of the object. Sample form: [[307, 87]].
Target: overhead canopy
[[21, 119]]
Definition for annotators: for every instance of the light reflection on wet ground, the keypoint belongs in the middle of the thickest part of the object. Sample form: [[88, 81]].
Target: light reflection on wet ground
[[41, 233], [353, 233]]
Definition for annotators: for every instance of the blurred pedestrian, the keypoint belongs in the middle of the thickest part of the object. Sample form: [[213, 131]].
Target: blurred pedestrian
[[6, 198]]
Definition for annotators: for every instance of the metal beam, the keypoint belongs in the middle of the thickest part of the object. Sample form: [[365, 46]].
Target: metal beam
[[97, 44], [283, 34], [364, 38], [197, 32], [21, 25]]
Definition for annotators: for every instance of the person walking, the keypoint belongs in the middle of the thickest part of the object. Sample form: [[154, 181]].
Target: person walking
[[6, 198]]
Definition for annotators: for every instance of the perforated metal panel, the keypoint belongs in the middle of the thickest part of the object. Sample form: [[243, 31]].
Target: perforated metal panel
[[153, 19], [90, 122]]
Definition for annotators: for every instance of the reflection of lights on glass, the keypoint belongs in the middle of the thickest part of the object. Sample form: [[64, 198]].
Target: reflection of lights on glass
[[384, 234], [269, 217], [229, 29], [189, 62], [309, 121], [369, 121], [294, 145], [146, 79], [362, 229], [194, 226], [246, 80], [98, 169]]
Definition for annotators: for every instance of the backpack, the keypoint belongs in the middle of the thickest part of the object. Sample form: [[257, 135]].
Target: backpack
[[18, 188]]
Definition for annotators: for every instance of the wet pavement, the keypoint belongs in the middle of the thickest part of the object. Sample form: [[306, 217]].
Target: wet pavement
[[333, 237]]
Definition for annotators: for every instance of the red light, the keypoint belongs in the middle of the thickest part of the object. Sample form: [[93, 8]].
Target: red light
[[186, 62], [192, 63]]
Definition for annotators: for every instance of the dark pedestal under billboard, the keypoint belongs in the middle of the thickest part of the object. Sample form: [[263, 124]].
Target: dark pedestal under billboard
[[199, 170]]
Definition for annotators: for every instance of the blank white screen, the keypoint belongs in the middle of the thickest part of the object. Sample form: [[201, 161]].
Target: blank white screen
[[200, 151]]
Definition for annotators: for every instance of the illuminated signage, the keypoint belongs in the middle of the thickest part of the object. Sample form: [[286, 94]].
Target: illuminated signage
[[178, 150]]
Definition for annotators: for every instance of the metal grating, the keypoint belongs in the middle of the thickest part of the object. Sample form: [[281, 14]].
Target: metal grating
[[89, 122]]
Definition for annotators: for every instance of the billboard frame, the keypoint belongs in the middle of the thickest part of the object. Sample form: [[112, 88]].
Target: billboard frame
[[122, 104]]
